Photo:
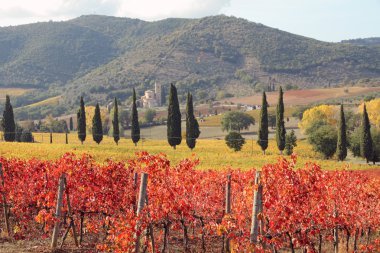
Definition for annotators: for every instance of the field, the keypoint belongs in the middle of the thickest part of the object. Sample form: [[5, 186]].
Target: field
[[13, 92], [213, 154], [304, 97], [48, 101]]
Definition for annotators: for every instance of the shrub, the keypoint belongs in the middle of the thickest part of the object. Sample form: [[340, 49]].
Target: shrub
[[235, 141], [324, 140], [290, 142], [26, 136]]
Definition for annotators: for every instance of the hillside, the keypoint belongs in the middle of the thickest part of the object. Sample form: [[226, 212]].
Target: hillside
[[375, 41], [102, 57]]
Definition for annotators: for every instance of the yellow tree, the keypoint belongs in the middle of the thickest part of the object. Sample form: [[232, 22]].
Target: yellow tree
[[373, 110], [326, 113]]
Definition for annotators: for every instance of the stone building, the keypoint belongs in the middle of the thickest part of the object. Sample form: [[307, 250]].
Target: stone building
[[152, 98]]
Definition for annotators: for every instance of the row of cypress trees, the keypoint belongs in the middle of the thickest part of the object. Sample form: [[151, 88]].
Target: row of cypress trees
[[174, 133], [366, 145], [367, 150], [280, 123]]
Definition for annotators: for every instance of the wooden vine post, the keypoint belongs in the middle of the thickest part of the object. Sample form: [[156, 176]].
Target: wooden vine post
[[51, 137], [61, 188], [135, 178], [140, 205], [256, 209], [70, 214], [228, 208], [67, 137], [5, 206]]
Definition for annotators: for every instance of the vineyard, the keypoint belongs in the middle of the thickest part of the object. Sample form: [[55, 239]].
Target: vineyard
[[150, 205]]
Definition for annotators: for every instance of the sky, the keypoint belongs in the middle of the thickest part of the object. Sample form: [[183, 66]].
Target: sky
[[327, 20]]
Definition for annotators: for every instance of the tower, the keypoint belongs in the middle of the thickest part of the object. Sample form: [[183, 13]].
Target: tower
[[158, 93]]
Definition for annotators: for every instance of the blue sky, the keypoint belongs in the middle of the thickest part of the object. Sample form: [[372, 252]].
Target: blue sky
[[328, 20]]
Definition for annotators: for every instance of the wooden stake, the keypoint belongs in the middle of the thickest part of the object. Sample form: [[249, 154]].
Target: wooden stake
[[61, 188], [70, 213], [140, 205], [257, 202], [135, 178], [228, 195], [5, 206]]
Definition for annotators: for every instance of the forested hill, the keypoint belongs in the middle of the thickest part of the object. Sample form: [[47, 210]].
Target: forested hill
[[102, 57]]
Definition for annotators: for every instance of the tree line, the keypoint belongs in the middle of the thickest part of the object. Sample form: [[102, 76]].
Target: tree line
[[174, 132], [321, 136], [324, 138], [235, 121]]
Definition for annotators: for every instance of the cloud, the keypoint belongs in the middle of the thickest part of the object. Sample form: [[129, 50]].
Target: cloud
[[19, 11]]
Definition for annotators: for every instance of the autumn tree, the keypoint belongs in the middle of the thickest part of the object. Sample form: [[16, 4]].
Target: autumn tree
[[322, 113], [8, 121], [97, 128], [192, 126], [135, 127], [373, 111], [280, 124], [81, 122], [342, 138], [174, 119], [263, 125], [115, 123]]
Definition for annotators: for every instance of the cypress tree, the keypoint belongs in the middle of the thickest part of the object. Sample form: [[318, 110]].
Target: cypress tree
[[81, 121], [115, 123], [8, 121], [280, 124], [97, 128], [263, 125], [366, 148], [174, 119], [71, 124], [192, 126], [342, 136], [135, 128]]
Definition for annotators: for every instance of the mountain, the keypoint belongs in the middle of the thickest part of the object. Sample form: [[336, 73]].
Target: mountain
[[375, 41], [102, 57]]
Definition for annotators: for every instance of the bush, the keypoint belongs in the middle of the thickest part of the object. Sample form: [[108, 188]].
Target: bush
[[290, 142], [26, 136], [324, 140], [235, 141]]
